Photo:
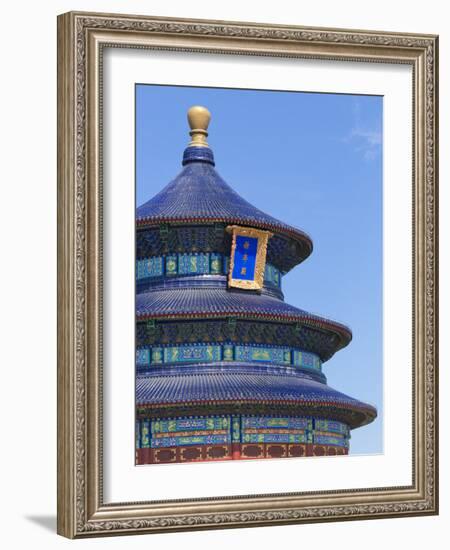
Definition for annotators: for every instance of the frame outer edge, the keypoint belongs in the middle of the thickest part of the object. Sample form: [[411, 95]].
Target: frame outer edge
[[436, 267], [77, 487], [65, 279], [432, 222]]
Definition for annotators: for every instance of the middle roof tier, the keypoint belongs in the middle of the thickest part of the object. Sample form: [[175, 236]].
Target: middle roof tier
[[215, 303]]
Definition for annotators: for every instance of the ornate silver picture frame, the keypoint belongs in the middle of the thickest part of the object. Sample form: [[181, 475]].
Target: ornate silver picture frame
[[82, 41]]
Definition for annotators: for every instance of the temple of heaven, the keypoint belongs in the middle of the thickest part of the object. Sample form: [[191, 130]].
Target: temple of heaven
[[225, 368]]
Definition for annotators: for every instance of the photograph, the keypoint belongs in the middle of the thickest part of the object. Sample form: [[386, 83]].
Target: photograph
[[259, 267]]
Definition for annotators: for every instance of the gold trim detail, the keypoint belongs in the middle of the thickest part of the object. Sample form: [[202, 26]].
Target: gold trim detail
[[260, 261], [198, 118]]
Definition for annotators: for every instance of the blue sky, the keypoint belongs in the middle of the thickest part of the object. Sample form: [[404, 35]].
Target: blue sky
[[314, 161]]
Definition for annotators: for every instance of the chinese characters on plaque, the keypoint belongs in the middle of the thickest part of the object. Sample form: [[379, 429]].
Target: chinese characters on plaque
[[248, 257]]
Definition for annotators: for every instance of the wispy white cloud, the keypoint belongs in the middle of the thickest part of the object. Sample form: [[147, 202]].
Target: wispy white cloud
[[365, 140]]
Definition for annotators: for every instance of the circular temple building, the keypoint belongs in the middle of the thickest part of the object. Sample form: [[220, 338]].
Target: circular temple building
[[225, 368]]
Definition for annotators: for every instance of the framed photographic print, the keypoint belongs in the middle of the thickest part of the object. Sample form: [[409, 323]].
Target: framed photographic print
[[247, 274]]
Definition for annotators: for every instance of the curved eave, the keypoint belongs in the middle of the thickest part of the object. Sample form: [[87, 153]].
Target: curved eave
[[221, 303], [344, 334], [210, 391], [300, 237]]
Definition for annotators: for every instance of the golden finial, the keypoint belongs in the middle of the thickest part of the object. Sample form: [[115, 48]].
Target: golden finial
[[198, 118]]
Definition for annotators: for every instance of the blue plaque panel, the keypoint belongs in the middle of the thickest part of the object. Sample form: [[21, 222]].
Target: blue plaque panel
[[245, 258]]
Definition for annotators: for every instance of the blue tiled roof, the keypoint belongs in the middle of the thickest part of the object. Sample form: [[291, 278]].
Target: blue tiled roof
[[208, 386], [198, 193], [227, 366], [216, 302]]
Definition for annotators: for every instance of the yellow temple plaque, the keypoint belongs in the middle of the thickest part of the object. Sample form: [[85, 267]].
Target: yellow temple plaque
[[248, 257]]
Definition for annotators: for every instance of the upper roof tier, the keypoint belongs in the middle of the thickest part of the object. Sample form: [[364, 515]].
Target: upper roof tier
[[199, 195]]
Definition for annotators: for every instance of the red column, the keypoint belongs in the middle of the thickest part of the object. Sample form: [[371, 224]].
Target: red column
[[236, 451]]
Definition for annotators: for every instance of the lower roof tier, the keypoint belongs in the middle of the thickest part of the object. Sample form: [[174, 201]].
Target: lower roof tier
[[203, 390], [211, 303]]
